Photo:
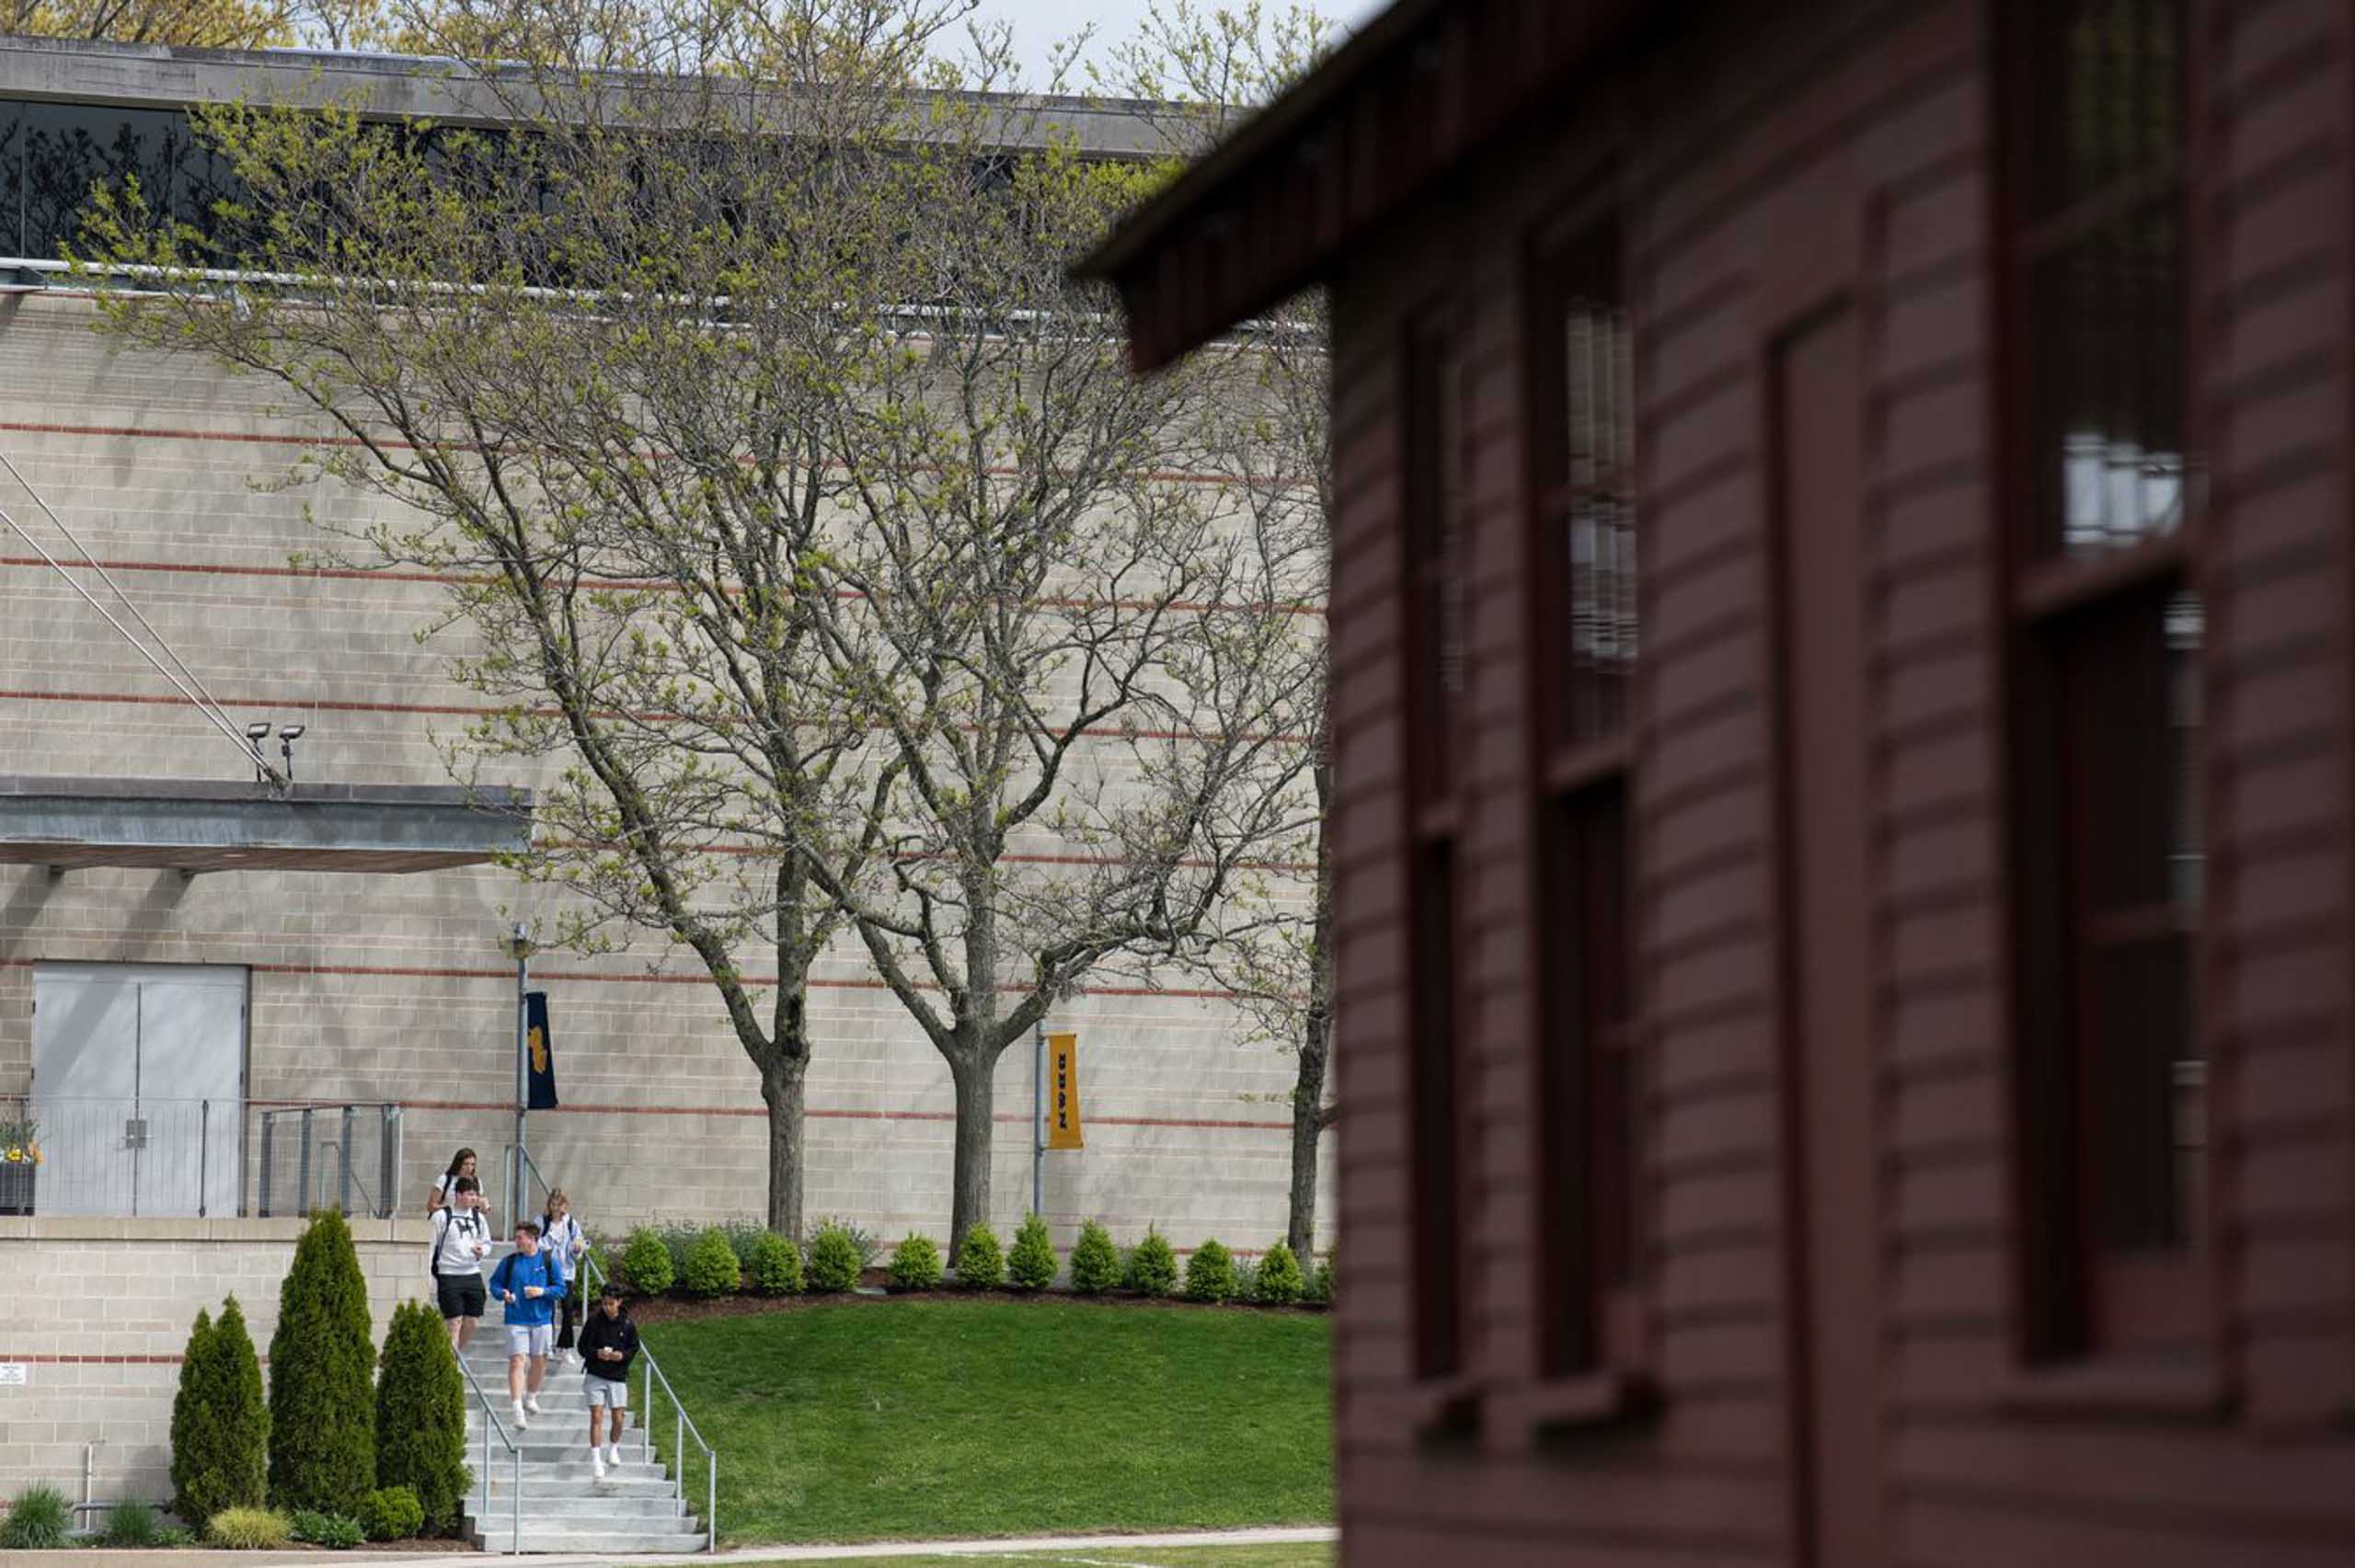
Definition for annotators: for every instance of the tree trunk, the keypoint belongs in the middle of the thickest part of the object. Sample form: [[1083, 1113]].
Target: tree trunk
[[782, 1078], [976, 1110], [1315, 1031], [1307, 1123]]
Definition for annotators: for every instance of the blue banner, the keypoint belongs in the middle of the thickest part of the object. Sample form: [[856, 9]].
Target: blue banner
[[540, 1046]]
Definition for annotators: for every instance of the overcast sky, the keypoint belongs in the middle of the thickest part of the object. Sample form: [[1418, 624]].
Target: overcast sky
[[1039, 24]]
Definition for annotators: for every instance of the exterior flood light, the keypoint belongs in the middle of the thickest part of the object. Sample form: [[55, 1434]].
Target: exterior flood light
[[287, 734]]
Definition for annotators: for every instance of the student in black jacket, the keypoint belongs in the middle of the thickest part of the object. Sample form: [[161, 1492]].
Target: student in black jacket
[[608, 1345]]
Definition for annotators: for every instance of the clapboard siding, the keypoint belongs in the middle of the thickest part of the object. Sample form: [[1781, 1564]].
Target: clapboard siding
[[2278, 220], [1848, 150]]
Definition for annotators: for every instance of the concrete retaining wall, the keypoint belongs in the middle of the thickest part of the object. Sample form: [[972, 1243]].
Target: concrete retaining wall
[[96, 1313]]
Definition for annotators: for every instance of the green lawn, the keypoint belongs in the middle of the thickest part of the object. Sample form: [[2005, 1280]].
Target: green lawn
[[908, 1420], [1318, 1555]]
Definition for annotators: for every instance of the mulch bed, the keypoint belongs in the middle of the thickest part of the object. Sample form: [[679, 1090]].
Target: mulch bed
[[679, 1309]]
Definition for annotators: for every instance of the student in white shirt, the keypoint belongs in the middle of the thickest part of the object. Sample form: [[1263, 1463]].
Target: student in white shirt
[[461, 1239], [561, 1235], [462, 1163]]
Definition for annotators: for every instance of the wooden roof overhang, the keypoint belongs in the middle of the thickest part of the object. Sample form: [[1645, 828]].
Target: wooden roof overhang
[[206, 824], [1275, 206]]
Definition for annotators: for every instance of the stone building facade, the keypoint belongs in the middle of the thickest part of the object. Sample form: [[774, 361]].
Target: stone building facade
[[395, 990]]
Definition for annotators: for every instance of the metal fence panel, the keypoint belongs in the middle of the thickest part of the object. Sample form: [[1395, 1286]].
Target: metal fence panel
[[340, 1157], [147, 1157], [120, 1157]]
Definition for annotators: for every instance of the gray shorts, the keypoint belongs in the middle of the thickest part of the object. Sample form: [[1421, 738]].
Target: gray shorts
[[606, 1393]]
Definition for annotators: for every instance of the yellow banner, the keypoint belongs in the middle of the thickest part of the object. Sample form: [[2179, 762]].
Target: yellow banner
[[1063, 1093]]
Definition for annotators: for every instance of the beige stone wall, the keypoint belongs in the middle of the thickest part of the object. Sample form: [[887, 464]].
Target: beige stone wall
[[394, 989], [98, 1312]]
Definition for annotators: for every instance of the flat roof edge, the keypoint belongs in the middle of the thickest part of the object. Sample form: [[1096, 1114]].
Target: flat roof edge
[[489, 798]]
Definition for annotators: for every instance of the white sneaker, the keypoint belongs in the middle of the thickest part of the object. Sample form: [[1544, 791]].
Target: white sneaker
[[521, 1425], [613, 1453], [597, 1464], [531, 1403]]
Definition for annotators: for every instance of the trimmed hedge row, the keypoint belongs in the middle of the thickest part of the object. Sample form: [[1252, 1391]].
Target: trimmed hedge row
[[720, 1259]]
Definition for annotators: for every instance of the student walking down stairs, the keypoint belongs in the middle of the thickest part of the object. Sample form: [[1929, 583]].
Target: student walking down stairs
[[608, 1345], [529, 1282]]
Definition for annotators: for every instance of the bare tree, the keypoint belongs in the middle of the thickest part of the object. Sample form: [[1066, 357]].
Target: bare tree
[[1201, 73], [1043, 627], [593, 362]]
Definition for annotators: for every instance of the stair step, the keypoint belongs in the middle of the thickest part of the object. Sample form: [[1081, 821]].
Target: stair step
[[541, 1446], [493, 1536], [583, 1499], [540, 1484]]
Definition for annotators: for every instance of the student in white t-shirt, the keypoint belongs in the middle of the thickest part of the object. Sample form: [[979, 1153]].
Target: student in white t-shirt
[[460, 1241], [462, 1163], [561, 1235]]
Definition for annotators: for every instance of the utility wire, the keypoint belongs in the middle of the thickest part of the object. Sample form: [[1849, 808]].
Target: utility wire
[[104, 576], [202, 700]]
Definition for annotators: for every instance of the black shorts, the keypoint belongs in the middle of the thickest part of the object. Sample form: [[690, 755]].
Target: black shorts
[[462, 1294]]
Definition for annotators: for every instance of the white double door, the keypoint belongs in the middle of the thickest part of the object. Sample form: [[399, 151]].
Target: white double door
[[139, 1088]]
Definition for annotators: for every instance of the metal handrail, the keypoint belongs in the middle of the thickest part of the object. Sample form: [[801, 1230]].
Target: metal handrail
[[684, 1429], [491, 1423], [684, 1426]]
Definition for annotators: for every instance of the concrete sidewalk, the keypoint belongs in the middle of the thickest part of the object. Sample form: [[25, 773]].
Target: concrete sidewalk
[[881, 1550]]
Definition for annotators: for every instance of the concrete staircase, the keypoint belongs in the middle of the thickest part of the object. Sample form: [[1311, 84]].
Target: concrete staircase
[[637, 1506]]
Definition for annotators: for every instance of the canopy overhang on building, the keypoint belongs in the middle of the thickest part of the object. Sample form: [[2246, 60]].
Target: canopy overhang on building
[[192, 826]]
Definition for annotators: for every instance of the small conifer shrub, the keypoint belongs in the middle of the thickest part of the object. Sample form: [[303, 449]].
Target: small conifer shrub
[[834, 1261], [981, 1263], [915, 1265], [1095, 1261], [220, 1420], [1280, 1281], [646, 1263], [322, 1390], [712, 1269], [1153, 1267], [773, 1266], [420, 1421], [1210, 1273], [1031, 1264]]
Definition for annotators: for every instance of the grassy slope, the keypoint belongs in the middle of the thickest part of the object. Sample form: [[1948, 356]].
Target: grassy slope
[[1320, 1555], [942, 1418]]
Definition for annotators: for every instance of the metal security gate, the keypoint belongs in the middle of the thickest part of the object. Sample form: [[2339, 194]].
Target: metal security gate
[[139, 1088]]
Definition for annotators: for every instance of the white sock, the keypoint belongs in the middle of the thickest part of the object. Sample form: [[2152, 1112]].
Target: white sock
[[613, 1453]]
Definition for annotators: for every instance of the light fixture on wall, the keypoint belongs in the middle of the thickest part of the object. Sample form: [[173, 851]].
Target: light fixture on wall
[[255, 734], [287, 734]]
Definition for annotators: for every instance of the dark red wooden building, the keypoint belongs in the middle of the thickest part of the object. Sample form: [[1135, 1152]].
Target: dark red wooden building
[[1843, 696]]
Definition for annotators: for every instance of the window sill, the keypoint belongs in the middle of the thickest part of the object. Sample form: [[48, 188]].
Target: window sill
[[1443, 1411], [1584, 1403], [2116, 1391]]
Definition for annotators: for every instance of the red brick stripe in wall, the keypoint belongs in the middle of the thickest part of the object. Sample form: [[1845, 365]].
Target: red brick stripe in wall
[[261, 438], [451, 710], [1010, 1117]]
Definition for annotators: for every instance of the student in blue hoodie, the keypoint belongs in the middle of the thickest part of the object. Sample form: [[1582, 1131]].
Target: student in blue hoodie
[[529, 1281]]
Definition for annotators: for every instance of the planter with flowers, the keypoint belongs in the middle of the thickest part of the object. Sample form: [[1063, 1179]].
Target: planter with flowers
[[20, 1158]]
